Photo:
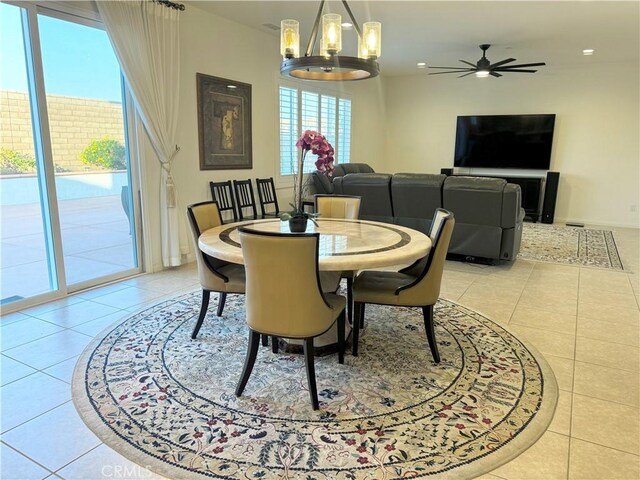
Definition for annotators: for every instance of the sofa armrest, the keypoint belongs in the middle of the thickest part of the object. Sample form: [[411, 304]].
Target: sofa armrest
[[336, 185], [511, 205], [322, 183]]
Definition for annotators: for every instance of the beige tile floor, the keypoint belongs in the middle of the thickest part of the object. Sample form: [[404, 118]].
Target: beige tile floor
[[585, 321]]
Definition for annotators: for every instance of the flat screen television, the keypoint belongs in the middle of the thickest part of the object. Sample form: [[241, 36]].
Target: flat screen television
[[504, 141]]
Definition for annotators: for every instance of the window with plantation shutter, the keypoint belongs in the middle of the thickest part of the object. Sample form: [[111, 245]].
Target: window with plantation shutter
[[328, 110], [343, 150], [302, 110], [310, 111], [288, 129]]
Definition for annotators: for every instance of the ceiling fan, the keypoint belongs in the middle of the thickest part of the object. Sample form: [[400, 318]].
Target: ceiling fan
[[484, 68]]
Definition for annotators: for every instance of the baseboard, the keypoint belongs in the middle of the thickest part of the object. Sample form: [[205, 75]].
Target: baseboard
[[186, 258], [590, 223]]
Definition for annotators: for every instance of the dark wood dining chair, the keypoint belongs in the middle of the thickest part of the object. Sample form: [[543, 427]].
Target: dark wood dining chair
[[267, 197], [245, 199], [223, 195]]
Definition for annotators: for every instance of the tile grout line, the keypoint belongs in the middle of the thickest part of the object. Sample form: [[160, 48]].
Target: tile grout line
[[573, 379], [82, 455], [37, 416], [606, 400], [519, 297], [8, 445]]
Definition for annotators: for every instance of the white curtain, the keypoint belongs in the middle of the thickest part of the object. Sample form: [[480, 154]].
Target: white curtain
[[145, 37]]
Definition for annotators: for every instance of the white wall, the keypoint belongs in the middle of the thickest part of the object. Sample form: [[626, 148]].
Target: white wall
[[408, 124], [596, 141], [215, 46]]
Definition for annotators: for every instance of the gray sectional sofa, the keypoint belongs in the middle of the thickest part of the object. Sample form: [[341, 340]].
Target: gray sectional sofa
[[323, 184], [488, 210]]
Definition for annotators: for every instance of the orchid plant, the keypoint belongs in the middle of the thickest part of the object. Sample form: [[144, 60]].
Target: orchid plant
[[318, 145]]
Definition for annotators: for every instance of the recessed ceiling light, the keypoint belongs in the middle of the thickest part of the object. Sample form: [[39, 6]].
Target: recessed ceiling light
[[422, 65], [588, 51], [346, 25], [232, 87]]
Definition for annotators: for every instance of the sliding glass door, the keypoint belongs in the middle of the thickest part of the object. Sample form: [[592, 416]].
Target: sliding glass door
[[28, 260], [68, 216]]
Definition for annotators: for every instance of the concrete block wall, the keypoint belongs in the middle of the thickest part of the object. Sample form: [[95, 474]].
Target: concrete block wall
[[74, 123]]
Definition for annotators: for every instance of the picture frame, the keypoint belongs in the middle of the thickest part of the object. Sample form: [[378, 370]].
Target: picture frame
[[224, 123]]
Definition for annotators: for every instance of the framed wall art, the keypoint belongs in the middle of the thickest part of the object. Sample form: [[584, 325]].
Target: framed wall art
[[224, 123]]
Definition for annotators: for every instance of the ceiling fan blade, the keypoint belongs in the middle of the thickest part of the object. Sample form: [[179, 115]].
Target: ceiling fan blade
[[502, 62], [453, 68], [469, 63], [452, 71], [467, 74], [517, 70], [521, 65], [495, 74]]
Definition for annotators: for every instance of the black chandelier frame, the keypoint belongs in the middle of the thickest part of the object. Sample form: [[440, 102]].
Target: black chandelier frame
[[332, 67]]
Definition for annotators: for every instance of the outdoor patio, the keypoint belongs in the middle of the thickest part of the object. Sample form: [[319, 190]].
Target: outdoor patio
[[95, 237]]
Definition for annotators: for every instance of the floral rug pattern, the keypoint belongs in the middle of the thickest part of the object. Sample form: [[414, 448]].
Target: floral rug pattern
[[167, 402], [569, 245]]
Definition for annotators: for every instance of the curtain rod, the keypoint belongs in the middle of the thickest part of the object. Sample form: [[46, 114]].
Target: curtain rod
[[167, 3]]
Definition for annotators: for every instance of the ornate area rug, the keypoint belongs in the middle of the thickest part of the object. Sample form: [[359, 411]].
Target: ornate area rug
[[167, 402], [569, 245]]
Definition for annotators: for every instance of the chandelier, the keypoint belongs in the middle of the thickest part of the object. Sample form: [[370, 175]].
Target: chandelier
[[328, 66]]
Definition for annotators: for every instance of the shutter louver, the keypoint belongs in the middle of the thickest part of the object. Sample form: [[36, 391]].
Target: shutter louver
[[288, 129], [303, 110]]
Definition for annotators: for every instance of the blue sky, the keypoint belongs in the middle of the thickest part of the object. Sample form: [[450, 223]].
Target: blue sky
[[78, 61]]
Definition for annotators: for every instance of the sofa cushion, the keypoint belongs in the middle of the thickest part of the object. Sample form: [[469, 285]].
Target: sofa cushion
[[374, 188], [474, 200], [416, 195], [343, 169]]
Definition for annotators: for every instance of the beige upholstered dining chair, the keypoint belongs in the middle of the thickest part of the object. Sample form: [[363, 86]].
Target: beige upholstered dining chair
[[337, 206], [340, 206], [215, 275], [284, 297], [415, 286]]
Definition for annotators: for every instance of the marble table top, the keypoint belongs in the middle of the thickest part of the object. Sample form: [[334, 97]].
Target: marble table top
[[344, 244]]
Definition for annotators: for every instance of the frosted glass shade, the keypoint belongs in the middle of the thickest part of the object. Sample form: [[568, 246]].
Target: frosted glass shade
[[331, 34], [289, 38], [369, 45]]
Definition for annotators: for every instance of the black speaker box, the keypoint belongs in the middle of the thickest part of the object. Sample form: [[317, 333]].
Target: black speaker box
[[550, 194], [447, 171]]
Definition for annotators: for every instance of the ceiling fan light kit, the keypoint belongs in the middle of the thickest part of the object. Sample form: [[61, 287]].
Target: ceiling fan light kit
[[484, 68], [328, 65]]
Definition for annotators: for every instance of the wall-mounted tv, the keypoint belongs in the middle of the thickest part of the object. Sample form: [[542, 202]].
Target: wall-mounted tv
[[504, 141]]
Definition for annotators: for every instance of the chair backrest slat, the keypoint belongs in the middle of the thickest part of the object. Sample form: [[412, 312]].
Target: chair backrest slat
[[222, 194], [267, 196], [245, 198]]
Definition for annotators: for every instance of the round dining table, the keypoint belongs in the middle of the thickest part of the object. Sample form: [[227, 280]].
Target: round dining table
[[344, 244]]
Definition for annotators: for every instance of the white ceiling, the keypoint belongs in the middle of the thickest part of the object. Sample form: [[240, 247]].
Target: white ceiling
[[441, 33]]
